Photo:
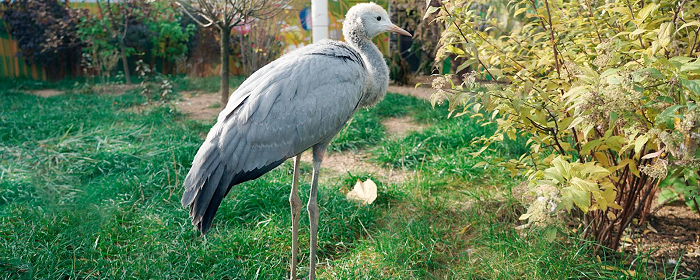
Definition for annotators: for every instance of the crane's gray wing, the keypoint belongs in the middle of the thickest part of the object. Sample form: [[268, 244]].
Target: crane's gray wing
[[302, 99]]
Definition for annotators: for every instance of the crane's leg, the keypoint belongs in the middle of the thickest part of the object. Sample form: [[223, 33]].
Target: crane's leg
[[295, 204], [319, 152]]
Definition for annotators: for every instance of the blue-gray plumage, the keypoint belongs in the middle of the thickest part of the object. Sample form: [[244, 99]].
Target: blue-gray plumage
[[297, 102]]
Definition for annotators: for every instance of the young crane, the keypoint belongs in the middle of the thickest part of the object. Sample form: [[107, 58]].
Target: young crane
[[297, 102]]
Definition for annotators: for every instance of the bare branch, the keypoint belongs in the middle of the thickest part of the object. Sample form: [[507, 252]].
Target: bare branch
[[184, 9]]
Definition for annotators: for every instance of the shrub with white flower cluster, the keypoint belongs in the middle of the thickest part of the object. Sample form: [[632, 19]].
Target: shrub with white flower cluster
[[606, 92]]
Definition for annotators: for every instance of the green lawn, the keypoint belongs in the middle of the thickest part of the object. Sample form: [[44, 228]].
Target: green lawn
[[89, 189]]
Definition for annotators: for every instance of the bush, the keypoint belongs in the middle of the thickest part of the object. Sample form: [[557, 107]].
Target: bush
[[45, 30], [606, 91]]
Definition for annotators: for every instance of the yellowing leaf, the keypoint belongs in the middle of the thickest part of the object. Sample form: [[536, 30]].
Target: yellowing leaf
[[582, 199], [602, 158], [552, 173], [622, 10], [630, 273], [594, 172], [691, 23], [644, 12], [591, 145], [633, 168], [562, 166], [637, 32], [431, 9], [585, 185], [665, 31], [575, 122], [639, 143], [520, 11], [365, 192], [609, 196], [615, 142]]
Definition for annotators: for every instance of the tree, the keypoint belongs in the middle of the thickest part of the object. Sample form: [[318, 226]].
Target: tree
[[169, 37], [117, 17], [260, 42], [605, 91], [101, 51], [224, 15]]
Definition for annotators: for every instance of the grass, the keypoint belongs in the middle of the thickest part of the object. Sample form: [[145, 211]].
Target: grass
[[207, 84], [90, 189]]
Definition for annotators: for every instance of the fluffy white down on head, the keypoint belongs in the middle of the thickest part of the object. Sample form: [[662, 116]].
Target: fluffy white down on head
[[365, 20]]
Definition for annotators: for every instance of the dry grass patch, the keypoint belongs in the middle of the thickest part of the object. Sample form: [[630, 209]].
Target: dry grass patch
[[400, 127]]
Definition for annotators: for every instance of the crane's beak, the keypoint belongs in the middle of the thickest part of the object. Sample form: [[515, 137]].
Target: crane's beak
[[396, 29]]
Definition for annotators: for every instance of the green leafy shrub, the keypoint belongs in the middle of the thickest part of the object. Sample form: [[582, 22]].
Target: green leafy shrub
[[101, 51], [170, 37], [606, 91]]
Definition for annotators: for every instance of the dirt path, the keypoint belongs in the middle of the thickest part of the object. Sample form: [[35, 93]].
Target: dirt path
[[418, 92], [420, 87], [200, 106], [339, 164], [45, 92], [397, 128], [101, 89]]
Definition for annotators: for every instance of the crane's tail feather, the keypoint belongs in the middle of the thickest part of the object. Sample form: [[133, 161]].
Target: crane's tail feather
[[207, 156], [209, 181]]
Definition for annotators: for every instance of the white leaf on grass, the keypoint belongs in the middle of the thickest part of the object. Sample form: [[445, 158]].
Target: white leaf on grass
[[364, 192]]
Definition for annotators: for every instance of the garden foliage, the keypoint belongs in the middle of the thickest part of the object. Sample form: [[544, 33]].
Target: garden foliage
[[45, 30], [606, 92], [408, 15], [129, 28]]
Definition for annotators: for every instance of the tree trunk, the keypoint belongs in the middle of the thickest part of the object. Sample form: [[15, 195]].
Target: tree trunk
[[125, 64], [224, 42]]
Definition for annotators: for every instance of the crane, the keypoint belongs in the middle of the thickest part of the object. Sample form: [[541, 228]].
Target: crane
[[297, 102]]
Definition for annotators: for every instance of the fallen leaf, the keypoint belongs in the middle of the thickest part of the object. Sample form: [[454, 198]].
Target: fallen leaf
[[650, 228], [627, 240], [364, 192], [693, 254], [630, 273], [465, 229]]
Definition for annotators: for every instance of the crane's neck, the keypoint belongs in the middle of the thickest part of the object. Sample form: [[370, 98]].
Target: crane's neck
[[378, 78], [378, 72]]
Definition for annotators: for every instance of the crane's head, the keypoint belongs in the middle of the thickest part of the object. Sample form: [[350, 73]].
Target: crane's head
[[369, 20]]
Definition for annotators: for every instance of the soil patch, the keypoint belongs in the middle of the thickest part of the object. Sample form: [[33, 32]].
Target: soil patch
[[114, 89], [200, 106], [355, 163], [400, 127], [422, 91], [672, 235], [46, 92], [418, 92]]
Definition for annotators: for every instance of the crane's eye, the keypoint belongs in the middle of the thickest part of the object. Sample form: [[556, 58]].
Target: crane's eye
[[379, 18]]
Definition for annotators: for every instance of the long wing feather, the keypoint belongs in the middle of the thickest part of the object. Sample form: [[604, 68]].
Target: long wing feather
[[286, 107]]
